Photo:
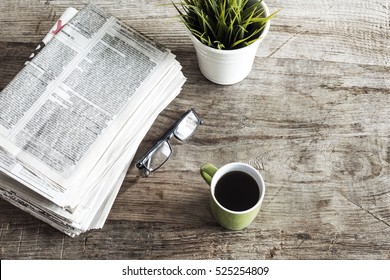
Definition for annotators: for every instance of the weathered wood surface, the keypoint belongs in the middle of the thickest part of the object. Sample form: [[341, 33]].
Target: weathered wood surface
[[312, 116]]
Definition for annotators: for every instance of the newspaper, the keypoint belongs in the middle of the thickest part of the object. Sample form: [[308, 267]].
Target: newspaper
[[67, 15], [72, 119]]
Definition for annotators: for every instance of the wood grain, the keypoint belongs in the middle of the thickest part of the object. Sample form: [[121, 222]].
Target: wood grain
[[312, 117]]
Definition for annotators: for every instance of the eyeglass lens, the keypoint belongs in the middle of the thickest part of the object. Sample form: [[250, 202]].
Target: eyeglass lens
[[187, 126], [160, 154]]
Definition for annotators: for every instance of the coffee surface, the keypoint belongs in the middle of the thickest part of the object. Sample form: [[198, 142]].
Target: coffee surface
[[237, 191]]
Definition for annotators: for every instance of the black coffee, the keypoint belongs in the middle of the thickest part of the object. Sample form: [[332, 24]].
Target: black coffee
[[237, 191]]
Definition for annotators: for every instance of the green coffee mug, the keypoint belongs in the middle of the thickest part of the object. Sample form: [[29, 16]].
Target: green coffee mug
[[236, 193]]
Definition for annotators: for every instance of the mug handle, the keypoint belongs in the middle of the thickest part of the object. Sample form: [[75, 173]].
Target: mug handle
[[207, 171]]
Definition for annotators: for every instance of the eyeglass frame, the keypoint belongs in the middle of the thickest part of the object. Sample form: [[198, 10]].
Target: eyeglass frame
[[167, 136]]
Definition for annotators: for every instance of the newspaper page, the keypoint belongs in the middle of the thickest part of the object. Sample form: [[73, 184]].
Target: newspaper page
[[75, 116], [93, 209], [62, 111], [7, 161]]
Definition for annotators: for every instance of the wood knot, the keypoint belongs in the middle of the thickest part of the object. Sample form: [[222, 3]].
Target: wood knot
[[303, 236]]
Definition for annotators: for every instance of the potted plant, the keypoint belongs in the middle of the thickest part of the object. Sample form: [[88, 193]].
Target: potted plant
[[226, 35]]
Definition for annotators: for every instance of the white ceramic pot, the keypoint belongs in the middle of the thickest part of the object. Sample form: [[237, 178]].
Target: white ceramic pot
[[226, 67]]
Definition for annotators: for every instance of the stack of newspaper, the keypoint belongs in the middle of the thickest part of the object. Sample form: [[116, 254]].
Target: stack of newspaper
[[72, 119]]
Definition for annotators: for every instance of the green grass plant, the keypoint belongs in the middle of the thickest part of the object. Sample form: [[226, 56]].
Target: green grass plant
[[223, 24]]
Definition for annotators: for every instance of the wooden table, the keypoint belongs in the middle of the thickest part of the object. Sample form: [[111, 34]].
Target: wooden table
[[312, 117]]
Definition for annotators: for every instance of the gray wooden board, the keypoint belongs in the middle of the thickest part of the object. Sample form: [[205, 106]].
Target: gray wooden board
[[312, 117]]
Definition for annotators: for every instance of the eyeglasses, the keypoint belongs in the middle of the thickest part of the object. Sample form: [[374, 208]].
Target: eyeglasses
[[182, 129]]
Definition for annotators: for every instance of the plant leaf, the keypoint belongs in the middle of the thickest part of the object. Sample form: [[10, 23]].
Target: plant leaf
[[223, 24]]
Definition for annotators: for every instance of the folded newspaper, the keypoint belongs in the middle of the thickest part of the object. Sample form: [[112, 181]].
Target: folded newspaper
[[72, 119]]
